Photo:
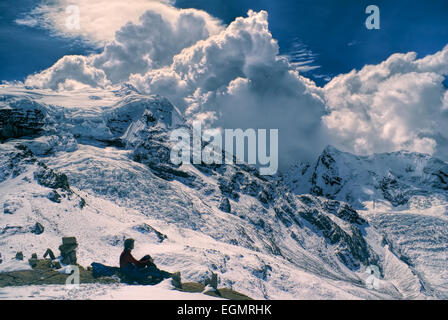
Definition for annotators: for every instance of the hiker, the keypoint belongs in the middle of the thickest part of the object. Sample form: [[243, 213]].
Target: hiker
[[143, 270]]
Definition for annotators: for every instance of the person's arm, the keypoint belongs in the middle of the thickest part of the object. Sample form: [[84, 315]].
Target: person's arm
[[140, 263]]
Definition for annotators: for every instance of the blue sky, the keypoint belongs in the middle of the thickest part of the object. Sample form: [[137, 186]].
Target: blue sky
[[331, 33]]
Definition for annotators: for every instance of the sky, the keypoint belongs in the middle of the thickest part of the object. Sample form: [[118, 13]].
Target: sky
[[315, 28], [310, 69]]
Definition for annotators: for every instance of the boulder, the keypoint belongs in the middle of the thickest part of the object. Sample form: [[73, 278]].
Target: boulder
[[212, 281], [54, 196], [37, 228], [19, 255], [176, 280], [33, 262], [225, 205]]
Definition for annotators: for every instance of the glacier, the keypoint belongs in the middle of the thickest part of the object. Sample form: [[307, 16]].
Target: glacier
[[94, 164]]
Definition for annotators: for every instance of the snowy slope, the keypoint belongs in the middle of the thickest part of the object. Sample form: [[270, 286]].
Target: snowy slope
[[403, 195], [162, 291], [97, 167]]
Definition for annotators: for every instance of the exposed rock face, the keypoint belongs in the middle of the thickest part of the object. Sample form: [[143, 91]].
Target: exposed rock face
[[147, 229], [345, 234], [51, 179], [225, 205], [396, 177], [16, 123]]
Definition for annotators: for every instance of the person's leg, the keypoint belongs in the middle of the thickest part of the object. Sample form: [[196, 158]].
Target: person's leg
[[134, 273]]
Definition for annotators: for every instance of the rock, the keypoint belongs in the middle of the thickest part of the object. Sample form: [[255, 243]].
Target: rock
[[33, 262], [213, 281], [37, 228], [68, 250], [1, 260], [10, 207], [147, 229], [69, 240], [82, 203], [225, 205], [54, 196], [19, 255], [49, 178], [34, 256], [49, 253], [176, 280], [15, 123]]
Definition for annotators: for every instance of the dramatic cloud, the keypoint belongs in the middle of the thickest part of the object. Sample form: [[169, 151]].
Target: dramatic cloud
[[234, 77], [99, 19], [398, 104], [151, 43], [67, 72]]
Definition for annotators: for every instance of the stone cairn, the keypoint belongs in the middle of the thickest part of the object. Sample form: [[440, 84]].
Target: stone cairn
[[68, 250]]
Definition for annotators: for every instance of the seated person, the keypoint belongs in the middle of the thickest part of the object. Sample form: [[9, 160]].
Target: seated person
[[143, 270]]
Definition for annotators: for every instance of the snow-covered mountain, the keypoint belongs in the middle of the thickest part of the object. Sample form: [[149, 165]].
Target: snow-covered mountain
[[404, 195], [95, 164]]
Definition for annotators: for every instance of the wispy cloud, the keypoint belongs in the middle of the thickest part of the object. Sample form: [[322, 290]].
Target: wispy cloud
[[301, 57]]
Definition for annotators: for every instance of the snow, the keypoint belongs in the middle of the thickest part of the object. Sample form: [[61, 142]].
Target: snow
[[162, 291], [14, 265], [265, 249], [410, 214]]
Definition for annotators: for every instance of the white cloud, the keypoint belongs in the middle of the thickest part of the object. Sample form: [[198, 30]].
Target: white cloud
[[236, 79], [233, 77], [99, 19], [67, 72], [153, 41], [392, 106], [137, 48]]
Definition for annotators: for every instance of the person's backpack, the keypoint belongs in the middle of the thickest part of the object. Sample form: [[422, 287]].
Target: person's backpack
[[100, 270]]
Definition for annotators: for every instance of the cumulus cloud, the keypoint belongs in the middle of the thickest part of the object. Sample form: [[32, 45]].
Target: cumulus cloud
[[398, 104], [234, 77], [99, 19], [67, 72], [151, 43]]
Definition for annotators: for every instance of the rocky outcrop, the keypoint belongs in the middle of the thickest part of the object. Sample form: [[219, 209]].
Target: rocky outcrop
[[344, 234], [16, 123], [225, 205], [37, 229], [396, 177]]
